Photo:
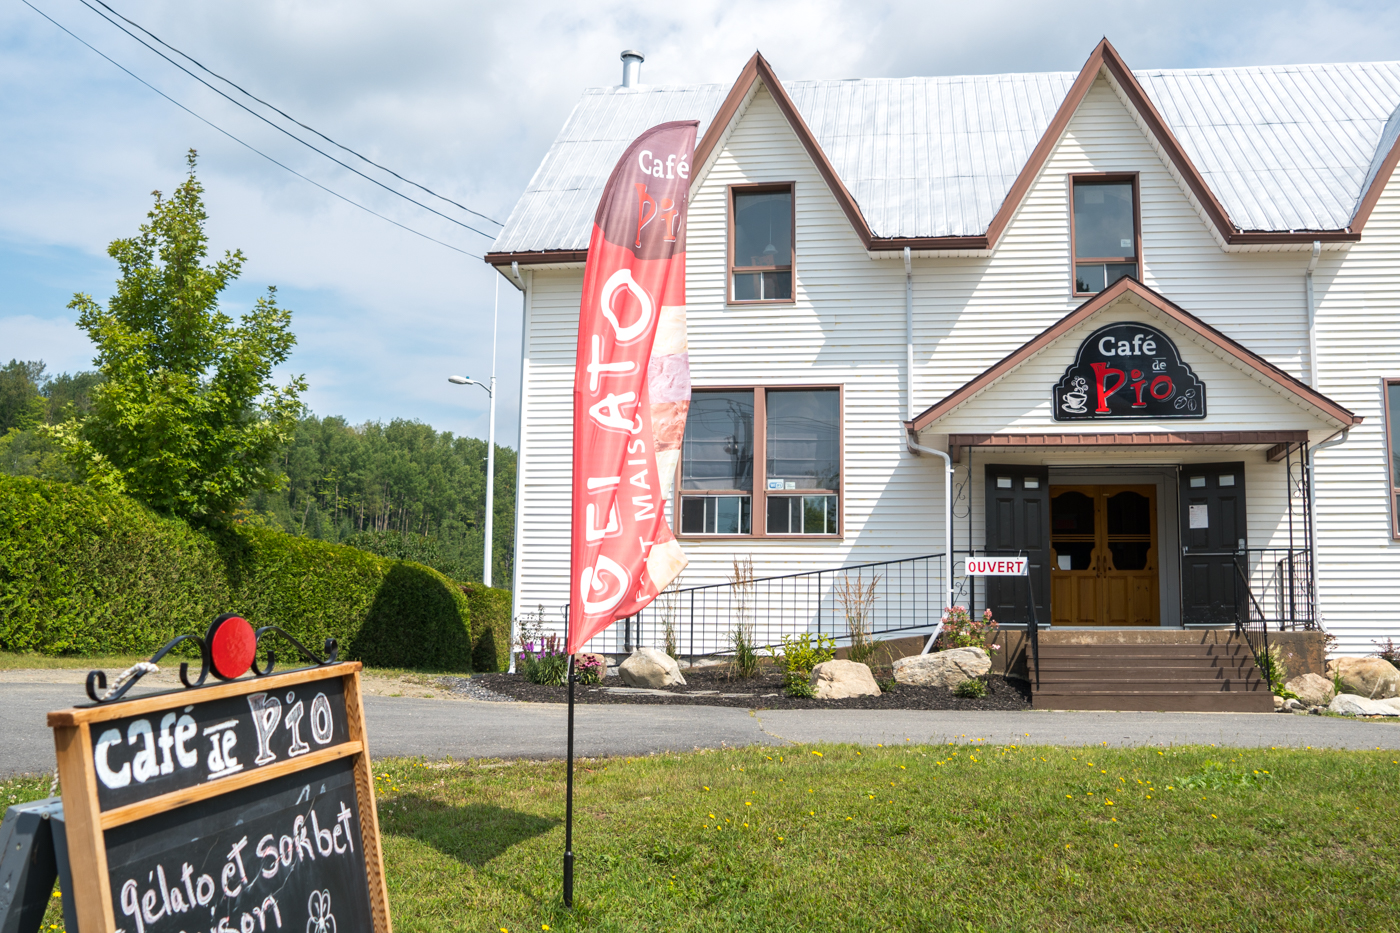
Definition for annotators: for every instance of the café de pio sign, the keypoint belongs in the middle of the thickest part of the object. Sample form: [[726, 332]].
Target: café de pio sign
[[1128, 371]]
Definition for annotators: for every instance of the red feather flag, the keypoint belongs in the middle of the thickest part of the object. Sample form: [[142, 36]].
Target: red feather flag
[[631, 385]]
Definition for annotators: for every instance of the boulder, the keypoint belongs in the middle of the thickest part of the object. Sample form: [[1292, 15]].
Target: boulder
[[1293, 706], [1373, 678], [650, 668], [1312, 689], [1352, 705], [942, 668], [837, 680], [1278, 702]]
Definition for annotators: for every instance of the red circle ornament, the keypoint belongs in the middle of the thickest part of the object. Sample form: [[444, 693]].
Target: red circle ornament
[[231, 647]]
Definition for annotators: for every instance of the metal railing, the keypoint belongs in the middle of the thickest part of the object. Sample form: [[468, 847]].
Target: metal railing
[[900, 597], [1277, 595]]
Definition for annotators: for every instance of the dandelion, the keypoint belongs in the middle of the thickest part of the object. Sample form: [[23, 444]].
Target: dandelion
[[818, 754], [748, 803], [544, 926], [1213, 816]]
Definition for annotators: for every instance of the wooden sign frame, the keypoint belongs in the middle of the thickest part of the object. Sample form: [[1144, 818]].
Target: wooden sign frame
[[87, 822]]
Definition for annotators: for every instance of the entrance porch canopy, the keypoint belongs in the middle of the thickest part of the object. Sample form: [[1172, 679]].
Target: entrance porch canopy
[[1059, 393]]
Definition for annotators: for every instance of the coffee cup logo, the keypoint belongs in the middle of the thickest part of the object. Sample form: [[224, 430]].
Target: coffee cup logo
[[1077, 398]]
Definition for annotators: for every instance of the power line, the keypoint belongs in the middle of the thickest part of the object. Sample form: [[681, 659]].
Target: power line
[[282, 129], [293, 119], [241, 142]]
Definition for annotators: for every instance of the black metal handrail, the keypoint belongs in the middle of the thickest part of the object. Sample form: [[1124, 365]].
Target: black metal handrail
[[1283, 577], [905, 596]]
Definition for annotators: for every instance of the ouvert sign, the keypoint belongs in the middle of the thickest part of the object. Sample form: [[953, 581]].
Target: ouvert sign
[[1128, 371]]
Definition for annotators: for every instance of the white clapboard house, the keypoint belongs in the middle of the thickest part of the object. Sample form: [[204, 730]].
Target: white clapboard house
[[1152, 318]]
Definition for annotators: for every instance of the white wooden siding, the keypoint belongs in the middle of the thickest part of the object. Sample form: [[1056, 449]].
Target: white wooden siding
[[847, 327]]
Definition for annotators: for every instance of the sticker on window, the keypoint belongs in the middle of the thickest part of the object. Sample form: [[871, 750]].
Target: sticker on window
[[1126, 243], [1199, 516]]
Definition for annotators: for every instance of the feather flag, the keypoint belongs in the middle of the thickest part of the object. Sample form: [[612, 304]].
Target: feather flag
[[631, 385]]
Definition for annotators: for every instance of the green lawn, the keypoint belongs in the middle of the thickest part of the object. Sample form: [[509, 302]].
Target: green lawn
[[967, 837]]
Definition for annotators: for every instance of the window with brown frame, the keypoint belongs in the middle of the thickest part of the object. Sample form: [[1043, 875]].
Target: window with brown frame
[[1104, 231], [760, 243], [761, 462], [1392, 434]]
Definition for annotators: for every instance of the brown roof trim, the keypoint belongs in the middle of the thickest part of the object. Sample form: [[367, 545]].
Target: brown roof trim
[[728, 110], [957, 442], [537, 258], [1373, 193], [1174, 311]]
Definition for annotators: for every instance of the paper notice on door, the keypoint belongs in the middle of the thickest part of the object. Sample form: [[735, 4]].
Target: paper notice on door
[[1199, 516]]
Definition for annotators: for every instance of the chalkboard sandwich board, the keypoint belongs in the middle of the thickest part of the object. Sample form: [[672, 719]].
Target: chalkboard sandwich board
[[243, 806]]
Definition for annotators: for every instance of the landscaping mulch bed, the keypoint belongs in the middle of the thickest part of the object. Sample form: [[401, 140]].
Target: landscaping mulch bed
[[714, 687]]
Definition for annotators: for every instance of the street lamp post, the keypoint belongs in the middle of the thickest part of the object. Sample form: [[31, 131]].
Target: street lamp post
[[490, 438], [490, 466]]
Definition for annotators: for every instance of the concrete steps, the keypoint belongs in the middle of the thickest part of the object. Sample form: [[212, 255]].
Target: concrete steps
[[1185, 674]]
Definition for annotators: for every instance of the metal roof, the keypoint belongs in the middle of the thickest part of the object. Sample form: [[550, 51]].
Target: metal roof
[[1288, 147]]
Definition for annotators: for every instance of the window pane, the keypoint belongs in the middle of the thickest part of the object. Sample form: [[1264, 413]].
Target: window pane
[[1118, 270], [1103, 220], [763, 228], [727, 522], [814, 515], [779, 515], [777, 286], [1393, 391], [1088, 278], [718, 447], [804, 437], [746, 286], [692, 515]]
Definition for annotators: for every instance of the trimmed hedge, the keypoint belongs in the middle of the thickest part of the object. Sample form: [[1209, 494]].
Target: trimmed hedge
[[87, 572], [490, 612]]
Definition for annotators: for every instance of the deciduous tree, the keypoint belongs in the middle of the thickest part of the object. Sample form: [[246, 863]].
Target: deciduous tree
[[186, 417]]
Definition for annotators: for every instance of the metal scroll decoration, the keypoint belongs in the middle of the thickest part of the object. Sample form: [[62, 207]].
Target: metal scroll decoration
[[228, 650], [1128, 371]]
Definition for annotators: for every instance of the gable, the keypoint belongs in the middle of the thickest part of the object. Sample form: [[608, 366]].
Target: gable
[[1244, 391]]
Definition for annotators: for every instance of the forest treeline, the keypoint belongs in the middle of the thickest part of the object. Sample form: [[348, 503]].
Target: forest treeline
[[400, 489]]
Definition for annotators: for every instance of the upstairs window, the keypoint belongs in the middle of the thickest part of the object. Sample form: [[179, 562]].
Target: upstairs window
[[1105, 231], [1392, 425], [760, 240], [761, 461]]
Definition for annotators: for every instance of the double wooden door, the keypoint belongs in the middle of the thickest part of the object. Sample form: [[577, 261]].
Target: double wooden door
[[1104, 555]]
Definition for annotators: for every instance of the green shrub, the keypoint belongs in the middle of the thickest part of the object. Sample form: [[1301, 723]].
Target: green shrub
[[88, 572], [798, 684], [971, 689], [490, 615]]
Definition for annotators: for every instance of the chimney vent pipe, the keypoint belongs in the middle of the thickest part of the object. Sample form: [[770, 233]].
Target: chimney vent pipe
[[632, 68]]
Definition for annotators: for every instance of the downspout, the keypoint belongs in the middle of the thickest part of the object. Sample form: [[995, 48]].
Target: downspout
[[909, 336], [1312, 313], [1332, 441], [916, 448], [519, 458]]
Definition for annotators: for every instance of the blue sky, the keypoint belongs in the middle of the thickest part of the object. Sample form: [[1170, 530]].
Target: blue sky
[[465, 97]]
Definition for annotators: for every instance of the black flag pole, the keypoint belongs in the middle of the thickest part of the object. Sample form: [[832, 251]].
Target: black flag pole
[[569, 801]]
